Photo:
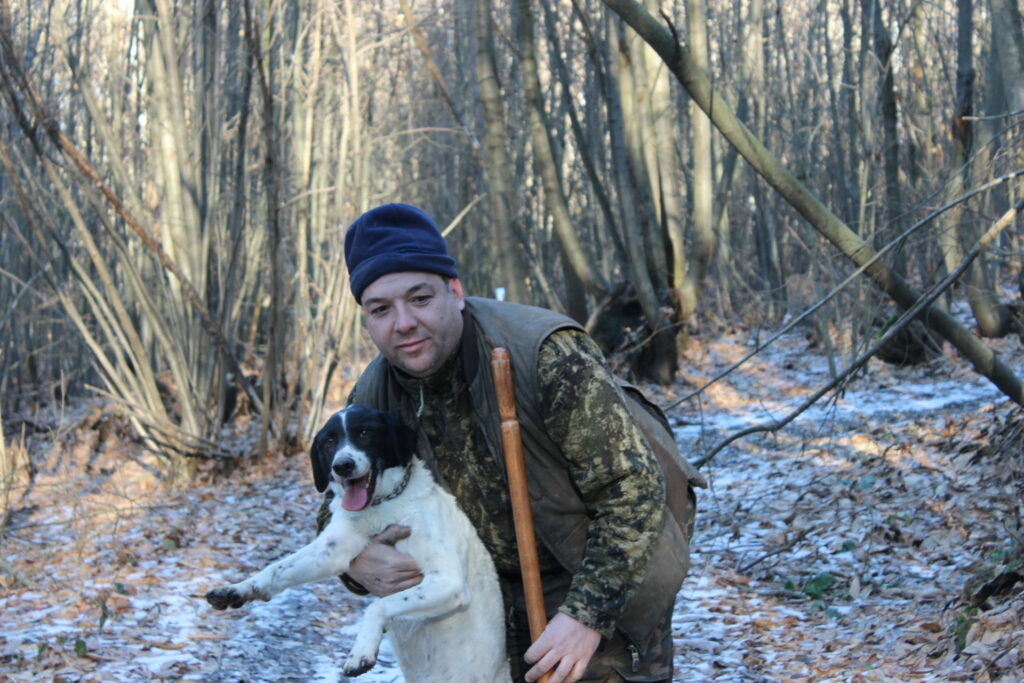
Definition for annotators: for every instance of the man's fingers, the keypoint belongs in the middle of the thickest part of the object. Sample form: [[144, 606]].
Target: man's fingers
[[567, 670], [408, 583], [381, 568], [564, 672], [538, 649], [543, 656], [566, 643], [395, 578], [573, 673], [393, 534], [540, 668]]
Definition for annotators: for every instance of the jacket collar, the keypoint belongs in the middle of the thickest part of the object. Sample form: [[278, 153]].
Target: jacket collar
[[470, 350]]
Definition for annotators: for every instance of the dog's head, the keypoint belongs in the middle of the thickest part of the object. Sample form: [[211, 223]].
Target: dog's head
[[355, 447]]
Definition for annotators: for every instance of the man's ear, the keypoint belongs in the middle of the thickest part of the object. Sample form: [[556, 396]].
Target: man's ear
[[321, 468], [455, 284]]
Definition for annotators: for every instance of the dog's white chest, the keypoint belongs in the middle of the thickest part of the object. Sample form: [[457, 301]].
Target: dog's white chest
[[450, 627]]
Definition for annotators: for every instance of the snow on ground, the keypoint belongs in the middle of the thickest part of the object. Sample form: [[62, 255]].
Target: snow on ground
[[835, 550]]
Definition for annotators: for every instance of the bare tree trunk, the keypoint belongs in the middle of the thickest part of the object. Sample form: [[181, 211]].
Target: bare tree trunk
[[883, 50], [638, 86], [848, 107], [424, 48], [703, 193], [755, 101], [588, 157], [1008, 49], [631, 91], [660, 366], [547, 165], [750, 108], [993, 319], [842, 170], [506, 249], [1006, 94], [273, 400], [181, 228]]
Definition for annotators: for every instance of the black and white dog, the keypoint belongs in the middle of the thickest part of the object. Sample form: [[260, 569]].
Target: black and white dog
[[450, 627]]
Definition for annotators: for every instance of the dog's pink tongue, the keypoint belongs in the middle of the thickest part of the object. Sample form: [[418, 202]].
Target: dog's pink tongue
[[357, 494]]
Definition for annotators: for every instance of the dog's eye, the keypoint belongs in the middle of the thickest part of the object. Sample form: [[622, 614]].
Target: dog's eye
[[330, 440], [364, 433]]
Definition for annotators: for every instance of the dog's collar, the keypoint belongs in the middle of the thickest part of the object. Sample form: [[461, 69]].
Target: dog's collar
[[398, 489]]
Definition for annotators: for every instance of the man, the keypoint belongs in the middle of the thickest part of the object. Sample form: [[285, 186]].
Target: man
[[612, 552]]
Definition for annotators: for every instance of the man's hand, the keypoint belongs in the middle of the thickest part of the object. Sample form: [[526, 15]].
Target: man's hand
[[566, 643], [382, 569]]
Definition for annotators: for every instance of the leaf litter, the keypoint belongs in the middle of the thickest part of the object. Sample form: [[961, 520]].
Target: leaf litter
[[877, 537]]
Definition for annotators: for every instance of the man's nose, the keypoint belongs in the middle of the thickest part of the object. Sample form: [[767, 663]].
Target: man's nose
[[404, 319]]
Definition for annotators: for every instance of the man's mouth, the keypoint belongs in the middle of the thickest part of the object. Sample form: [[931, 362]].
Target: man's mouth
[[412, 346], [358, 492]]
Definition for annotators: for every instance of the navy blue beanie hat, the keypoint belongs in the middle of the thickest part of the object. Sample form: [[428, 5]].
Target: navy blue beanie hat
[[390, 239]]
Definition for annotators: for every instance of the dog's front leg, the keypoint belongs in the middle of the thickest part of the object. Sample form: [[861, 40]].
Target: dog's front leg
[[328, 555], [434, 596]]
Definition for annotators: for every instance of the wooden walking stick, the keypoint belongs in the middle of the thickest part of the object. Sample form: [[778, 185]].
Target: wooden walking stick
[[512, 443]]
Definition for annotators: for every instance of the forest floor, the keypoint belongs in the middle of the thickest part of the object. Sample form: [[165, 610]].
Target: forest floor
[[877, 537]]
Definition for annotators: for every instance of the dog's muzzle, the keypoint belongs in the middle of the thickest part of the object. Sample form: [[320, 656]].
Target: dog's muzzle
[[344, 467]]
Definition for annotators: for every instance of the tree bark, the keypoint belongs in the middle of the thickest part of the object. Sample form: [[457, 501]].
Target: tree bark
[[660, 366], [588, 156], [547, 165], [883, 49], [1008, 50], [703, 248], [993, 318], [507, 249], [273, 374]]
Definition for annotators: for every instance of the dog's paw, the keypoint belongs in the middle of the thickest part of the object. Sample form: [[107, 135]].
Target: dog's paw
[[363, 654], [357, 665], [226, 596]]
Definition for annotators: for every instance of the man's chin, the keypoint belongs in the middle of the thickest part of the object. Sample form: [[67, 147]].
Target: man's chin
[[418, 367]]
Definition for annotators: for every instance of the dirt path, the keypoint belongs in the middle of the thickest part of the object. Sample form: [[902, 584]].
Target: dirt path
[[835, 551]]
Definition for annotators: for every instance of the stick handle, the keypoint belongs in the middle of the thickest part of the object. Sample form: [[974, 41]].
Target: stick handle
[[512, 442]]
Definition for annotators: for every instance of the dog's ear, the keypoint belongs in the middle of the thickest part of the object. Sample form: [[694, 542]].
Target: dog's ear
[[321, 466], [403, 439]]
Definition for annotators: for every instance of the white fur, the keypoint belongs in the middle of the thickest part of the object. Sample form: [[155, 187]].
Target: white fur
[[450, 627]]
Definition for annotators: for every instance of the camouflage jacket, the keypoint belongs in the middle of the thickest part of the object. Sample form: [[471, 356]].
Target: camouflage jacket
[[596, 488]]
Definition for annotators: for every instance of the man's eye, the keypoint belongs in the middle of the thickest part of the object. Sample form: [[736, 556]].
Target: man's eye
[[378, 311], [421, 300]]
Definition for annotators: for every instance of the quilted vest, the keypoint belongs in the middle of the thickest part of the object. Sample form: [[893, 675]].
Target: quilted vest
[[559, 516]]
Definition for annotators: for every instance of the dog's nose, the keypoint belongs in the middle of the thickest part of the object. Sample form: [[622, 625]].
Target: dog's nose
[[343, 468]]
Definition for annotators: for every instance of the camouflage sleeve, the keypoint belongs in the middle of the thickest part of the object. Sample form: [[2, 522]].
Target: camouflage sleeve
[[614, 469]]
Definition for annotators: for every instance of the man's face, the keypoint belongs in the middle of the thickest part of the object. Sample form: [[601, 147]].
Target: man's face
[[415, 319]]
